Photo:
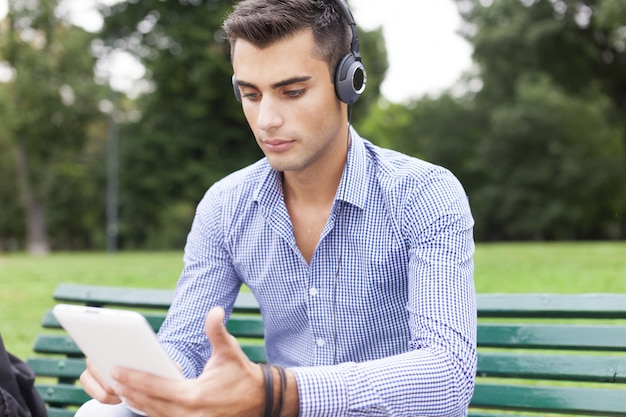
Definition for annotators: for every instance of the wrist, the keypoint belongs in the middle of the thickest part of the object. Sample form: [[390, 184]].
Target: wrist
[[269, 390], [280, 392], [291, 399]]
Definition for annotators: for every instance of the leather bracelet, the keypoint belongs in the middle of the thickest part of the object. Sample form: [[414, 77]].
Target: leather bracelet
[[283, 387], [268, 385]]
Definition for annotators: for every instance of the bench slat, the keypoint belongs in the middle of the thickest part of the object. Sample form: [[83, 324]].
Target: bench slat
[[69, 368], [155, 320], [62, 394], [255, 352], [60, 344], [530, 305], [588, 368], [238, 325], [102, 296], [56, 344], [251, 327], [547, 336], [588, 401]]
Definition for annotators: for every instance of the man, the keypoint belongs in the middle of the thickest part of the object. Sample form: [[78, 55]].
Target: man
[[360, 257]]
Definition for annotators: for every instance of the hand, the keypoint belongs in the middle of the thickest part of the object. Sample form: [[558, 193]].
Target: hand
[[94, 385], [230, 383]]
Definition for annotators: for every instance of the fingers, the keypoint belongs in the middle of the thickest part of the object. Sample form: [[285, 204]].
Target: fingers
[[153, 395], [222, 341], [214, 324], [95, 386], [129, 381]]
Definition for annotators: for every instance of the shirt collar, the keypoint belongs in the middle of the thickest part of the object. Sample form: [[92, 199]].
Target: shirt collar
[[354, 183]]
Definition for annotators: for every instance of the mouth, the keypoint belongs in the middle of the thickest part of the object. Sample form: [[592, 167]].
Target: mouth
[[277, 145]]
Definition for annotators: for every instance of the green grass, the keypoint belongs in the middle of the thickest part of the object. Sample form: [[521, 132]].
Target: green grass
[[27, 283], [551, 267]]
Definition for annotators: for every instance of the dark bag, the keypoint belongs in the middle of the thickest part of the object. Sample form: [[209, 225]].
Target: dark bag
[[18, 397]]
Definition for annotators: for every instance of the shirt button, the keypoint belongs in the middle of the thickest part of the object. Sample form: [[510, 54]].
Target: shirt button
[[313, 292], [320, 342]]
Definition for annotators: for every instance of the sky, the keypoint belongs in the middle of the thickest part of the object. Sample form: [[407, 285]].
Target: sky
[[425, 53]]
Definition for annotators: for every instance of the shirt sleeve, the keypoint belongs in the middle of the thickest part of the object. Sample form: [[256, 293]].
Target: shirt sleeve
[[436, 376], [208, 280]]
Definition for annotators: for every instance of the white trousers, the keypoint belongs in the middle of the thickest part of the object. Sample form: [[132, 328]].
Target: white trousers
[[94, 408]]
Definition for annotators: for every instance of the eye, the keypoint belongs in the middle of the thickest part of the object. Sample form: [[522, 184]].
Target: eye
[[295, 93], [251, 96]]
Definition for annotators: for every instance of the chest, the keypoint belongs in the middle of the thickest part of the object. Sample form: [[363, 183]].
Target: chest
[[308, 224]]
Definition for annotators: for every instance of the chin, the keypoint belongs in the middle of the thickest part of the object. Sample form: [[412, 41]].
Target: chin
[[281, 165]]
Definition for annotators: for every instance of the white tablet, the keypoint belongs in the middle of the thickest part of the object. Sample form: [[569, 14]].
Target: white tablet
[[112, 338]]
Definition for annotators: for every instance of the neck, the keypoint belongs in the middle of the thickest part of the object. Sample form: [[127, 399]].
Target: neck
[[319, 184]]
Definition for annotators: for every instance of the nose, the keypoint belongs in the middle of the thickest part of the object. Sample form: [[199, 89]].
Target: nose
[[270, 115]]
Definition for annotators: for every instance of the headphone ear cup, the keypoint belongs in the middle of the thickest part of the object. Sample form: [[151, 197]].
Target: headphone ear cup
[[350, 79], [236, 88]]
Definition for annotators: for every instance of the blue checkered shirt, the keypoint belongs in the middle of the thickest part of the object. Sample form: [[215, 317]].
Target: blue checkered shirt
[[382, 322]]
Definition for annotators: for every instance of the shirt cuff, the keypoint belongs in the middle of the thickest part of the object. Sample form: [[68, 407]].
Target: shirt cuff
[[322, 391]]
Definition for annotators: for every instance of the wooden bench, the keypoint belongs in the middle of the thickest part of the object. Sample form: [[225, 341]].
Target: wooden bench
[[543, 353], [538, 353]]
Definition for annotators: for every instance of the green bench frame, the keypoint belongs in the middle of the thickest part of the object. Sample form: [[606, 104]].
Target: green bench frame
[[537, 353]]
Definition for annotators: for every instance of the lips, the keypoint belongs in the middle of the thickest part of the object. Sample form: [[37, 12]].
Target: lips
[[277, 145]]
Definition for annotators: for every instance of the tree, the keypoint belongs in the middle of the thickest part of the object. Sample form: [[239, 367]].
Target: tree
[[552, 167], [49, 104], [573, 46]]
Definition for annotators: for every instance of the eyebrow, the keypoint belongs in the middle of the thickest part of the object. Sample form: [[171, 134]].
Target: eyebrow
[[279, 84]]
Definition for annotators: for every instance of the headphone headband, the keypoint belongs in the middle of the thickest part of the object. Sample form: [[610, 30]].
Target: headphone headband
[[354, 43]]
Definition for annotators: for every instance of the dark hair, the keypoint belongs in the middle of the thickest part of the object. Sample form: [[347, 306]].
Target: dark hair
[[263, 22]]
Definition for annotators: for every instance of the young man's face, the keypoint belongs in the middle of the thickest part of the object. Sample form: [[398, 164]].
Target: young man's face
[[289, 101]]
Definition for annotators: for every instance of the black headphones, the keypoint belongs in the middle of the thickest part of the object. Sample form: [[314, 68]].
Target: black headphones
[[350, 75]]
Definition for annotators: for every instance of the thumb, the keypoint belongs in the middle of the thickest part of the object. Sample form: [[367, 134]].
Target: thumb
[[220, 339]]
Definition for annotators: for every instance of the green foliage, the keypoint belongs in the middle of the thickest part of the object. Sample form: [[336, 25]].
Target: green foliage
[[512, 38], [538, 138], [374, 54], [386, 124], [192, 132], [175, 223], [47, 110], [541, 145], [445, 131], [552, 167]]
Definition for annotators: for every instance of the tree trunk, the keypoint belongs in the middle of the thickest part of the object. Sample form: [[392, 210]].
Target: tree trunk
[[36, 239]]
